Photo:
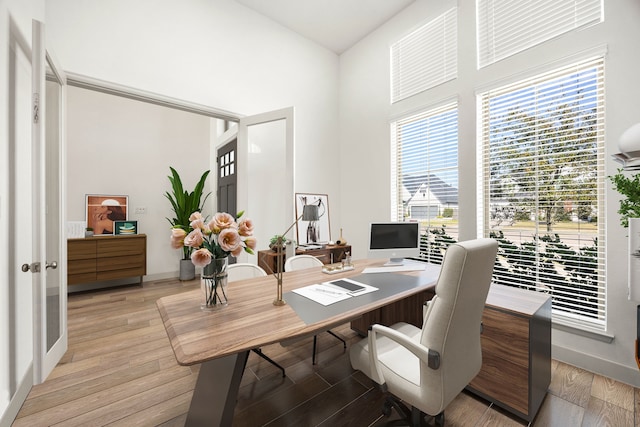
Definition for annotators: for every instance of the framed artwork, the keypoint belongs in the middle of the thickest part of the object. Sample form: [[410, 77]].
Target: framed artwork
[[125, 227], [313, 232], [103, 210]]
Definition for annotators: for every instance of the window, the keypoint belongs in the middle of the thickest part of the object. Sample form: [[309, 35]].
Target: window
[[425, 58], [508, 27], [543, 177], [425, 176]]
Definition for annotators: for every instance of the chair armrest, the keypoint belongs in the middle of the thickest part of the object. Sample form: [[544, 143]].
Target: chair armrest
[[431, 357]]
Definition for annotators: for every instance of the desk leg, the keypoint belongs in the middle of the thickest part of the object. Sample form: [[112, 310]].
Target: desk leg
[[214, 398]]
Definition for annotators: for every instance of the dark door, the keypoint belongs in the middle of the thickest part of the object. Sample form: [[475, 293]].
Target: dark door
[[227, 180]]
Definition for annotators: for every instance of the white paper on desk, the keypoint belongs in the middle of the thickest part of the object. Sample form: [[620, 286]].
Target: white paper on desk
[[322, 293]]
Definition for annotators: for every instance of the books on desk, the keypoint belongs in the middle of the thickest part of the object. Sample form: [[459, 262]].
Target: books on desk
[[327, 293]]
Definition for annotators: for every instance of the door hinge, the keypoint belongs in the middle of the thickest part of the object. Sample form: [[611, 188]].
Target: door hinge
[[36, 108]]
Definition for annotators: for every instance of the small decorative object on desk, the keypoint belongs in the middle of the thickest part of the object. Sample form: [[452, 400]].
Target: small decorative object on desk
[[88, 232], [345, 265], [214, 284], [213, 242]]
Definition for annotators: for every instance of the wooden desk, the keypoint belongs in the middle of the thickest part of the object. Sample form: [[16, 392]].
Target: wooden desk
[[221, 340]]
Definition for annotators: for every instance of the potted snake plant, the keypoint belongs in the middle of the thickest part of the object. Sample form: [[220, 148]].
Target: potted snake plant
[[184, 203]]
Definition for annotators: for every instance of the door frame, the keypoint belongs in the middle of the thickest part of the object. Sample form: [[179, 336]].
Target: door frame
[[243, 151]]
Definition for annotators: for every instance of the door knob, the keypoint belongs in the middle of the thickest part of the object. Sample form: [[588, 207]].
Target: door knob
[[34, 267], [53, 265]]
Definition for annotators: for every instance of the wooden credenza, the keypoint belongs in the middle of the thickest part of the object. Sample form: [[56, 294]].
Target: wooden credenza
[[516, 350], [96, 259], [268, 259]]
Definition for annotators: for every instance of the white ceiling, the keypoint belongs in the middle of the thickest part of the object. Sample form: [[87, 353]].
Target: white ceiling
[[334, 24]]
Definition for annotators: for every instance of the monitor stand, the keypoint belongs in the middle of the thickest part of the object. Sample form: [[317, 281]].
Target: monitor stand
[[395, 262]]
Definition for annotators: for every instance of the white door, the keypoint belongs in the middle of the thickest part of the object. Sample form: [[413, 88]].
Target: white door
[[36, 304], [265, 151], [17, 348], [51, 329]]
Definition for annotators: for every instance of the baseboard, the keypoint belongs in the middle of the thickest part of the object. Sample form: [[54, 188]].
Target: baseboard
[[625, 374], [8, 417]]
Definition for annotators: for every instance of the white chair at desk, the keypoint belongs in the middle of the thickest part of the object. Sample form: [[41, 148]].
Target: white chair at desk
[[241, 271], [299, 262], [427, 368]]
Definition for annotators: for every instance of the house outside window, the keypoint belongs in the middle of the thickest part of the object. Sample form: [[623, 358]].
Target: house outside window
[[425, 176], [542, 166]]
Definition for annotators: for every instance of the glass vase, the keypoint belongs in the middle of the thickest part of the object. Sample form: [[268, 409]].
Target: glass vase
[[213, 284]]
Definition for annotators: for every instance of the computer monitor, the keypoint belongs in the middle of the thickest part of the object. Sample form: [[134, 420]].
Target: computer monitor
[[394, 240]]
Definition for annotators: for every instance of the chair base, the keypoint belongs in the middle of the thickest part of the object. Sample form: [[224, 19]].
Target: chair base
[[315, 341], [268, 359], [413, 417]]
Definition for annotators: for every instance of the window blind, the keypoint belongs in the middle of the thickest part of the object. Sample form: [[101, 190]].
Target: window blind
[[425, 180], [425, 58], [508, 27], [543, 188]]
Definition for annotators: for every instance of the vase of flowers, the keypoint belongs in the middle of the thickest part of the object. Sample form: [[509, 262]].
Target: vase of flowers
[[213, 284], [211, 243]]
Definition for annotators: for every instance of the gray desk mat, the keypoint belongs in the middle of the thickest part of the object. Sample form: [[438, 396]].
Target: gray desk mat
[[388, 284]]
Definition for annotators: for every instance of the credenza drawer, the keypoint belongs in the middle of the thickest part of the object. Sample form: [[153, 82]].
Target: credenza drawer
[[106, 258], [506, 335]]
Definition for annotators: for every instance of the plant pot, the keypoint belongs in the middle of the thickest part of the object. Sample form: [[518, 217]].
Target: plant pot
[[187, 270], [213, 284]]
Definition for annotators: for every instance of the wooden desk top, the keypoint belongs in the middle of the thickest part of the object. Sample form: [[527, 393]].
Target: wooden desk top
[[251, 320]]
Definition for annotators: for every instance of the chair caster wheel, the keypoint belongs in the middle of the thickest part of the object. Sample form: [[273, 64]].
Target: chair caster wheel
[[386, 409], [439, 419]]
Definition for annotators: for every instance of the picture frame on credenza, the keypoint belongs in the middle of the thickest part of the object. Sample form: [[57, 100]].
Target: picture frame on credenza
[[102, 210]]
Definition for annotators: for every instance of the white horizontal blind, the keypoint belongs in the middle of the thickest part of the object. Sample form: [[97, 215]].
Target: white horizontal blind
[[425, 58], [506, 27], [426, 171], [543, 187]]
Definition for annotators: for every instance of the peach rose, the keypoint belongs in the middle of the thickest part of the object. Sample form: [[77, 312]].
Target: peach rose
[[237, 251], [201, 257], [194, 239], [221, 221], [229, 240], [194, 216], [251, 242], [199, 224], [245, 227], [177, 238]]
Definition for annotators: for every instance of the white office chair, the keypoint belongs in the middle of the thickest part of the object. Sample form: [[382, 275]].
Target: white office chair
[[241, 271], [427, 368], [300, 262]]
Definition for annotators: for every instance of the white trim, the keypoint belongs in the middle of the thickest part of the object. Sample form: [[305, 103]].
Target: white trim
[[596, 365], [103, 86], [565, 61]]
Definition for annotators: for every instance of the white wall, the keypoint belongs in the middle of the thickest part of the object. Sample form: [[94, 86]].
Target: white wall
[[212, 52], [365, 115], [120, 146], [216, 53]]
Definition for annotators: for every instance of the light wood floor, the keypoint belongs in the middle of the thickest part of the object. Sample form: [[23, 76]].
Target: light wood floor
[[120, 371]]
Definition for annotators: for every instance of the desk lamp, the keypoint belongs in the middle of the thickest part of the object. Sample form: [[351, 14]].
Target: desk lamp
[[629, 145], [309, 213]]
